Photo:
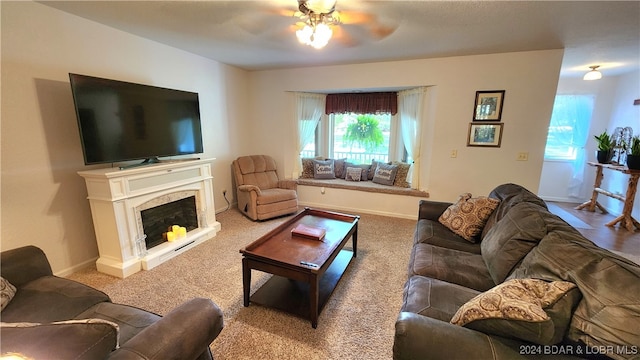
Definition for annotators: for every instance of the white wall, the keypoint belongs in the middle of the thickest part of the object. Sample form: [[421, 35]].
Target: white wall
[[529, 78], [43, 199], [613, 108]]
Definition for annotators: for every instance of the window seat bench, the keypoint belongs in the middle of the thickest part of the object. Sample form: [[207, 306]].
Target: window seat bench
[[368, 186]]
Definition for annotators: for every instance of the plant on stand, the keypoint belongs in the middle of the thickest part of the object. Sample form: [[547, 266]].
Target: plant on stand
[[605, 147], [633, 157]]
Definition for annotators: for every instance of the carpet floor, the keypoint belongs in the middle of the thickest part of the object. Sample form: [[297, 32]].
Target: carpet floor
[[357, 321]]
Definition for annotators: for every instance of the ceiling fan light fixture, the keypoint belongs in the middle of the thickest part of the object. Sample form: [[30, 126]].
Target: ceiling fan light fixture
[[315, 33], [594, 74]]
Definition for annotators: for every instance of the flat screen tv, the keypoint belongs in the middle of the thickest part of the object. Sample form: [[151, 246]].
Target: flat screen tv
[[121, 121]]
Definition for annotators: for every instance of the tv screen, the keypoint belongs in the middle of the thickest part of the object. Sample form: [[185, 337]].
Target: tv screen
[[120, 121]]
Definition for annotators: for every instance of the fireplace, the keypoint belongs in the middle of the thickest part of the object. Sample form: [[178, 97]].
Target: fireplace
[[133, 208], [156, 221]]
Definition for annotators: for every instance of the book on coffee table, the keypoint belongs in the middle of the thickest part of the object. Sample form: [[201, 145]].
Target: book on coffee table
[[309, 232]]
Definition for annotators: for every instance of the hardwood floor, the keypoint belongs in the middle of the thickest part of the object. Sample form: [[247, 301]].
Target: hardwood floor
[[592, 226]]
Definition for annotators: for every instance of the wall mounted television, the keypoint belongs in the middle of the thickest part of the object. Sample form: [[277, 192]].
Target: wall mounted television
[[121, 121]]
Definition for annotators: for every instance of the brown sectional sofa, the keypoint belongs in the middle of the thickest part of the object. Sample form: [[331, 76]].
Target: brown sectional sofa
[[599, 317], [47, 318]]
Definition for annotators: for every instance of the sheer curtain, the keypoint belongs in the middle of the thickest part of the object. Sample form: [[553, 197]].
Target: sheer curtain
[[309, 109], [410, 109], [572, 112]]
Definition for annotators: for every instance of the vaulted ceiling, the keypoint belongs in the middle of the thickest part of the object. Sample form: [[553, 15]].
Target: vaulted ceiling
[[257, 35]]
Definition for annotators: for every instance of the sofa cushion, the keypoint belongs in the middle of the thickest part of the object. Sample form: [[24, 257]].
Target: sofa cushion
[[454, 266], [509, 196], [434, 233], [527, 309], [511, 239], [84, 339], [7, 292], [468, 216], [385, 174], [353, 174], [434, 298], [275, 195], [49, 299], [130, 320]]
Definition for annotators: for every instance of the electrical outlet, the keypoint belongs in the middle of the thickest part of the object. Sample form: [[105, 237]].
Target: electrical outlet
[[454, 153], [224, 192], [523, 156]]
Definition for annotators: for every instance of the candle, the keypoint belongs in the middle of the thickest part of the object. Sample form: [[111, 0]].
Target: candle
[[175, 228], [171, 236], [182, 231]]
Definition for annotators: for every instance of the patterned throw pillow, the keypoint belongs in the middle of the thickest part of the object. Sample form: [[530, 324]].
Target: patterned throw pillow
[[323, 169], [527, 309], [364, 167], [468, 216], [7, 292], [401, 176], [385, 174], [353, 174], [307, 168]]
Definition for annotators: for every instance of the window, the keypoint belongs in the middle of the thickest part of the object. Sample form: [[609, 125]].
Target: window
[[568, 127], [359, 138]]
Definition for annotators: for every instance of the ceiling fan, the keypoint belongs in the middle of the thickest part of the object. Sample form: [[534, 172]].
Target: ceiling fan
[[318, 20]]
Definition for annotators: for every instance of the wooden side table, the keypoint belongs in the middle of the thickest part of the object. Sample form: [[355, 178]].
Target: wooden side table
[[626, 220]]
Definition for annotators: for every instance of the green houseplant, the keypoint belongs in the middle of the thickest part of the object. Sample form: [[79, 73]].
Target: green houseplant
[[633, 157], [605, 147]]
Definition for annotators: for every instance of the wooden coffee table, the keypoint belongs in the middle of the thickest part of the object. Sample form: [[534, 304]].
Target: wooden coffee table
[[306, 271]]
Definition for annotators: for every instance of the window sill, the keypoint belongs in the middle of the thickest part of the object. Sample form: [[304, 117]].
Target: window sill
[[368, 186]]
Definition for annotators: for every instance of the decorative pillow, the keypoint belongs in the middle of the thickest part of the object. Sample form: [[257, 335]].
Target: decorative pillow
[[364, 167], [307, 168], [7, 292], [323, 169], [353, 174], [372, 169], [401, 176], [385, 174], [338, 167], [528, 309], [468, 216]]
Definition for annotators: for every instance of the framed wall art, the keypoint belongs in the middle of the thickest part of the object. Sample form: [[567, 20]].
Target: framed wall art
[[488, 106], [485, 134]]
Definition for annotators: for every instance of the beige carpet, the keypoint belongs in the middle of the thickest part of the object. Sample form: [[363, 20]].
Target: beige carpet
[[356, 323]]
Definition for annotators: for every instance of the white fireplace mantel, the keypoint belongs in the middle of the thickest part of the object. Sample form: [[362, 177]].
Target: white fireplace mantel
[[116, 197]]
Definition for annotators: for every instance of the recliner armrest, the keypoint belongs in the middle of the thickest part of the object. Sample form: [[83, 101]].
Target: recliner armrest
[[25, 264], [184, 333], [431, 210], [288, 184], [249, 188], [421, 337]]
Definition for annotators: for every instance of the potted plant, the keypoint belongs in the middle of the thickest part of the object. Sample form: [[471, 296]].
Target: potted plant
[[633, 157], [605, 147]]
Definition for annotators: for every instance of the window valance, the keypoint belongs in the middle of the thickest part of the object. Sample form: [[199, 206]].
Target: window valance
[[362, 103]]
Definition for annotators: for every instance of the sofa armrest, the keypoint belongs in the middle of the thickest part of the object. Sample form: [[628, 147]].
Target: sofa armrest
[[25, 264], [288, 184], [421, 337], [431, 210], [249, 188], [184, 333]]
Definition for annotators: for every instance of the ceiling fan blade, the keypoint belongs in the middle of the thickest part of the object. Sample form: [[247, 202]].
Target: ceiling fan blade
[[343, 37]]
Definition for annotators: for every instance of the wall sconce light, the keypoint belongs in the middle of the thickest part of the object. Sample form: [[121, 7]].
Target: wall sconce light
[[594, 74]]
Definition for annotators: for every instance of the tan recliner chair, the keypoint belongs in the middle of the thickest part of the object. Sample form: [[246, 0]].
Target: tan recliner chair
[[261, 194]]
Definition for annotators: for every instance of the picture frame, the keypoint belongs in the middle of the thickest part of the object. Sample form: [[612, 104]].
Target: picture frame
[[488, 105], [485, 134]]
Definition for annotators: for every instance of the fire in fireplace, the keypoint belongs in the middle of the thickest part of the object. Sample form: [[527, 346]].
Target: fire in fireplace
[[157, 220]]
